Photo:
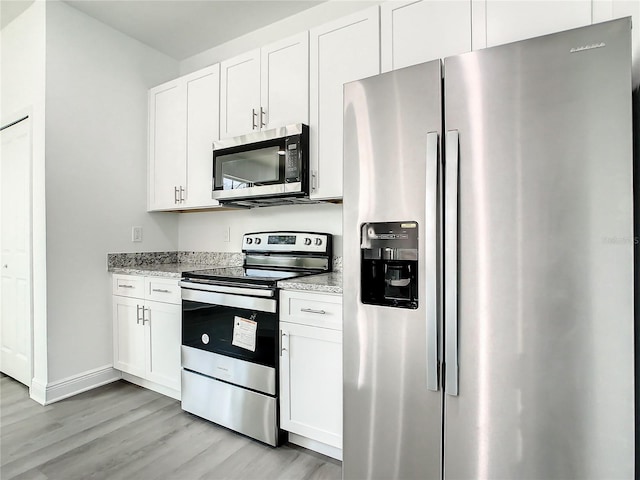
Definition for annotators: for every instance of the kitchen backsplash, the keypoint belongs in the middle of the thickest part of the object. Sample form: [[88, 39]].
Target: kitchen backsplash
[[120, 260]]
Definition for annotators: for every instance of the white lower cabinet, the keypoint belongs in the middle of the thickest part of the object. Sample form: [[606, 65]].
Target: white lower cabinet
[[311, 370], [147, 332]]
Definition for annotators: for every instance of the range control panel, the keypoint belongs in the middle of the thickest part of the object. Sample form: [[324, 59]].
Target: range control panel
[[311, 242]]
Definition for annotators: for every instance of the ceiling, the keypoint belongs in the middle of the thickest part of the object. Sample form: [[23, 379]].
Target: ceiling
[[178, 28]]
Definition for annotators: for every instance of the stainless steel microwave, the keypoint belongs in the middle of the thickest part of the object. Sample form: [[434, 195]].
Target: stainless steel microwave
[[262, 168]]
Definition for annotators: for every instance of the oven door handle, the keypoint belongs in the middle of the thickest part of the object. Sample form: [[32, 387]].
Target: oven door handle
[[229, 287], [269, 305]]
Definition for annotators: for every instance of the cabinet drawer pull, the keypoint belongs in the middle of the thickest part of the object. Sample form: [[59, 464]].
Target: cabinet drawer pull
[[311, 310], [161, 290], [138, 317], [126, 286], [254, 118]]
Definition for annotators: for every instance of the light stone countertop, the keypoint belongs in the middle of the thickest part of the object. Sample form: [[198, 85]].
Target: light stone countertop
[[168, 270], [322, 283]]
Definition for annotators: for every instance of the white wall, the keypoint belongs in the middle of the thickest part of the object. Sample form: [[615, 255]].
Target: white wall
[[205, 231], [22, 86], [96, 149], [305, 20]]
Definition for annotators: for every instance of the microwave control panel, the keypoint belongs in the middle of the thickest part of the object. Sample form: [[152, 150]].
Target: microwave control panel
[[292, 160]]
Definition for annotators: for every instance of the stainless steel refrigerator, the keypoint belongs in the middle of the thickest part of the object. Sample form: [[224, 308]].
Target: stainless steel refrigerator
[[488, 264]]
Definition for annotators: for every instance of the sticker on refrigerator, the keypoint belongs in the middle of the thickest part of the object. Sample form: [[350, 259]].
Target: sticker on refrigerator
[[244, 333]]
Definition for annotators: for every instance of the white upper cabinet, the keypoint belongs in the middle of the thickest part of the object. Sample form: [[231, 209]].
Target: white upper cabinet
[[203, 127], [183, 123], [509, 21], [419, 31], [265, 88], [240, 94], [167, 144], [285, 81], [342, 51]]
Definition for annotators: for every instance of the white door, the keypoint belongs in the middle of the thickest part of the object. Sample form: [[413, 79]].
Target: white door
[[164, 330], [240, 95], [416, 32], [203, 127], [167, 145], [129, 342], [285, 82], [342, 51], [15, 241], [311, 382]]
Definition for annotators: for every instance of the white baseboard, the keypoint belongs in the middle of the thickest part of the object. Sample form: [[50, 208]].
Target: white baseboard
[[316, 446], [38, 391], [52, 392], [156, 387]]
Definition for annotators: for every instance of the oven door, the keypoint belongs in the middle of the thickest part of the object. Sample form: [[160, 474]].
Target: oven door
[[237, 326]]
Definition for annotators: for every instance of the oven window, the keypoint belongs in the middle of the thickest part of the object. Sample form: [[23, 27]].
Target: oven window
[[249, 168], [211, 328]]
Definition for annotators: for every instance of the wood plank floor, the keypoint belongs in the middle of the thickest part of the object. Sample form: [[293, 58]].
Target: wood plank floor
[[121, 431]]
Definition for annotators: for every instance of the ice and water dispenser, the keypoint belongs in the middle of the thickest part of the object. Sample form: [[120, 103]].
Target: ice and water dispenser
[[389, 264]]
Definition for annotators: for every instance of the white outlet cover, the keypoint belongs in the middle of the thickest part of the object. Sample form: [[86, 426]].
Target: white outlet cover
[[136, 234]]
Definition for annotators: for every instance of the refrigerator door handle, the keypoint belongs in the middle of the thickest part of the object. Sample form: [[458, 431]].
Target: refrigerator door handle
[[431, 256], [451, 262]]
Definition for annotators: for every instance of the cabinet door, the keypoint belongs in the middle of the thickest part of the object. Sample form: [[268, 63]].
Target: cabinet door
[[508, 21], [341, 51], [163, 328], [203, 127], [416, 32], [240, 94], [167, 144], [284, 82], [311, 382], [129, 344]]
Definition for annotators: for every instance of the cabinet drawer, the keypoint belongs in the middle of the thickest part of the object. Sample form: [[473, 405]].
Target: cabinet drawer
[[314, 309], [164, 290], [128, 286]]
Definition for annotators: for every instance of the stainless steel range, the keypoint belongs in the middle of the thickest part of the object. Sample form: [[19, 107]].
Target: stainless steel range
[[230, 340]]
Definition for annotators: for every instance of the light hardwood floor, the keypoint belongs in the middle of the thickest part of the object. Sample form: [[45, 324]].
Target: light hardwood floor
[[121, 431]]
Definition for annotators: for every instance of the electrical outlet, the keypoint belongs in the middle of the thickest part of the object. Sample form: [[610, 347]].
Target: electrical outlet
[[136, 234], [227, 234]]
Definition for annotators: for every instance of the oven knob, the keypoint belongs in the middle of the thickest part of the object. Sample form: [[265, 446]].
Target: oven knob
[[249, 241], [318, 241], [258, 241], [307, 241], [205, 338]]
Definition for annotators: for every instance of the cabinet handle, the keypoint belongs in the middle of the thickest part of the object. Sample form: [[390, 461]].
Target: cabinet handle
[[182, 194], [145, 309], [314, 180], [311, 310], [254, 117], [263, 114], [138, 308], [175, 195], [160, 290], [282, 341], [125, 286]]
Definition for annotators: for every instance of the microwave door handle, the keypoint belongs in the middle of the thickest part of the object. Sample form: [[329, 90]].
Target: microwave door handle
[[431, 255]]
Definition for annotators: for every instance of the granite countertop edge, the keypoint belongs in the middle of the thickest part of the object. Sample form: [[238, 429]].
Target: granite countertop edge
[[324, 283]]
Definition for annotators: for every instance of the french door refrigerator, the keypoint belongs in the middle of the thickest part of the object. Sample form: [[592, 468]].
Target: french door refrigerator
[[488, 264]]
